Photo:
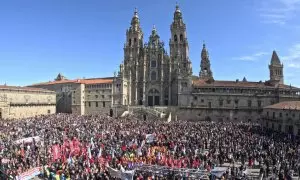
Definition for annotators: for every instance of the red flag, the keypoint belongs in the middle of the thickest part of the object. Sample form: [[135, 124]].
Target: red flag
[[56, 152], [71, 146]]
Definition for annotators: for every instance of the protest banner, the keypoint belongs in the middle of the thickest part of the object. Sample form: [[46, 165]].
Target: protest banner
[[31, 173]]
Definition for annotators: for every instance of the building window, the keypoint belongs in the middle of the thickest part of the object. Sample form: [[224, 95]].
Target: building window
[[293, 115], [195, 97], [96, 104], [228, 101], [280, 114], [73, 102], [279, 127], [153, 76], [220, 102], [209, 104], [249, 103], [153, 64], [273, 114], [49, 112], [259, 103], [89, 104], [175, 38], [236, 101], [181, 37], [103, 104], [129, 42], [268, 113], [102, 96], [96, 96], [202, 100]]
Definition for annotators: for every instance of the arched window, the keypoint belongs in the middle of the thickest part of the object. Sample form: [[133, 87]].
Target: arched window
[[181, 37], [175, 38], [153, 76], [134, 40], [153, 63], [129, 42]]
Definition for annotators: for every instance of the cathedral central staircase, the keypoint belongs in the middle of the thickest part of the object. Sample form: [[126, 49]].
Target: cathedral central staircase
[[151, 112]]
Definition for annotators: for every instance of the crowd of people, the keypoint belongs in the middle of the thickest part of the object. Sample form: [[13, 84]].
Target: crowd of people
[[68, 146]]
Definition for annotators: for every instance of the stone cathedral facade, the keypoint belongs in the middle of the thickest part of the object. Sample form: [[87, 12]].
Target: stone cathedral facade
[[148, 75]]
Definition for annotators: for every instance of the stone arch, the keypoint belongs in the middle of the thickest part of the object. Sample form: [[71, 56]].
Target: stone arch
[[175, 38]]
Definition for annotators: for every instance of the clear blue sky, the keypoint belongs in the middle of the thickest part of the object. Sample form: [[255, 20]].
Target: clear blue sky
[[85, 38]]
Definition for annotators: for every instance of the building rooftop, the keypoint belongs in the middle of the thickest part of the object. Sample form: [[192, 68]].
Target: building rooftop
[[107, 80], [240, 84], [291, 105], [19, 88]]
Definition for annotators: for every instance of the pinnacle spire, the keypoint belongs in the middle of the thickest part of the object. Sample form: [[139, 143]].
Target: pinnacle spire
[[177, 13], [153, 27], [135, 22], [275, 59], [204, 52], [135, 12], [177, 7]]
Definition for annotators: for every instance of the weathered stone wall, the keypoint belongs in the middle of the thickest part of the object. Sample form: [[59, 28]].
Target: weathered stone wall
[[202, 114], [78, 100], [15, 104], [281, 119], [98, 99], [63, 95], [18, 112]]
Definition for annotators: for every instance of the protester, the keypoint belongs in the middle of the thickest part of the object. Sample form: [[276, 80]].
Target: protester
[[95, 147]]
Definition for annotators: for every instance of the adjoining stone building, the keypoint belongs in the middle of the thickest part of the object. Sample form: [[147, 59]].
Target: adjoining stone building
[[81, 96], [283, 117], [23, 102]]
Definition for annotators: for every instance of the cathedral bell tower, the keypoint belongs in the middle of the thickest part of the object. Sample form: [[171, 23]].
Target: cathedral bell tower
[[276, 69], [180, 65], [134, 38], [179, 47], [205, 71], [133, 49]]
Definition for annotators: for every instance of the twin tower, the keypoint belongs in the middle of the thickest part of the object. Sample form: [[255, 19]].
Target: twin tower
[[149, 76]]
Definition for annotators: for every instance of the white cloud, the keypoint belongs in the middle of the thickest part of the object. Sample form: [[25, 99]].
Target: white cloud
[[278, 11], [252, 57], [292, 59]]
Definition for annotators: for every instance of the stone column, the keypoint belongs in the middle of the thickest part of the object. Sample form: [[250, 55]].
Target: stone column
[[129, 87], [162, 83], [170, 86], [144, 83], [113, 93], [136, 83]]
